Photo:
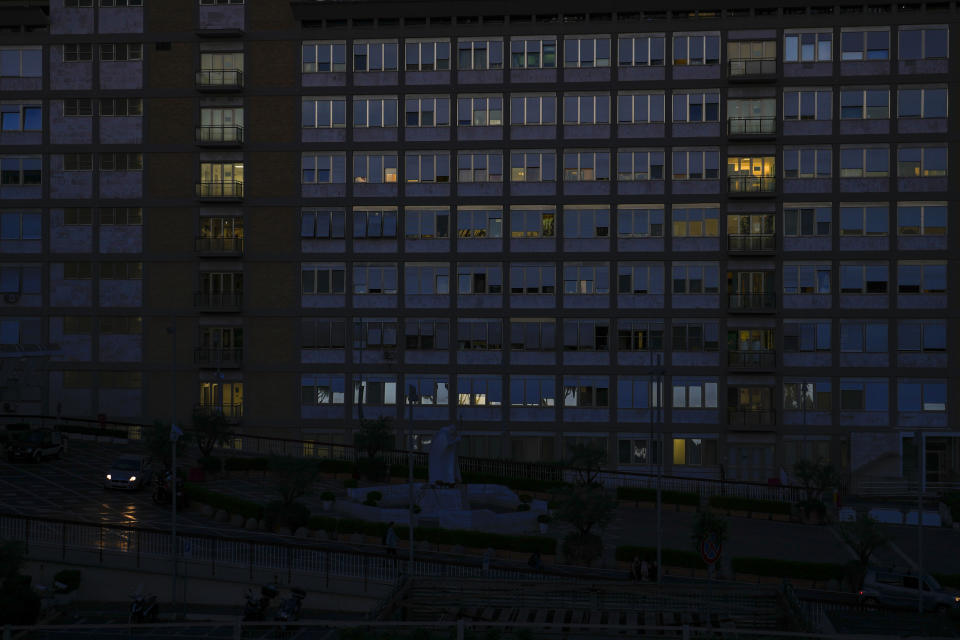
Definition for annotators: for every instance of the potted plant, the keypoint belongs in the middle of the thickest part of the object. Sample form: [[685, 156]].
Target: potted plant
[[543, 520], [328, 498]]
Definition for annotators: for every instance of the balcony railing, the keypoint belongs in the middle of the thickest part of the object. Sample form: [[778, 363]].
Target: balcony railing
[[220, 136], [747, 68], [752, 301], [219, 246], [219, 79], [751, 418], [751, 184], [218, 357], [226, 190], [751, 243], [232, 412], [218, 301], [752, 359], [751, 126]]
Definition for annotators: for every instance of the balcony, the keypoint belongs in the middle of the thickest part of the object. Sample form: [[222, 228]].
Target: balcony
[[751, 418], [754, 243], [219, 358], [232, 412], [753, 360], [751, 127], [219, 80], [751, 185], [752, 69], [224, 191], [766, 301], [219, 136], [218, 302], [219, 246]]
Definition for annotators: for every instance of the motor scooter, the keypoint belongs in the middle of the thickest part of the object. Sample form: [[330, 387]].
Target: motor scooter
[[161, 491], [144, 607], [255, 608], [290, 607]]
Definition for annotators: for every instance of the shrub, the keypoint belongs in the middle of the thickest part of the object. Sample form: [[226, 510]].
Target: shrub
[[211, 464], [670, 557], [292, 516], [245, 464], [70, 578], [350, 483], [230, 504], [544, 518], [735, 503], [526, 498], [328, 496], [638, 494], [820, 571], [375, 495], [582, 548], [336, 466], [948, 580], [523, 506], [952, 500]]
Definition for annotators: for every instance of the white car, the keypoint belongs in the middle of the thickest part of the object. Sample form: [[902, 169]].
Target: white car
[[128, 472]]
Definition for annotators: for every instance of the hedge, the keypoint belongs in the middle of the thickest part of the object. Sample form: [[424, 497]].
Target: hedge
[[819, 571], [952, 500], [734, 503], [670, 557], [948, 579], [93, 431], [643, 494], [230, 504]]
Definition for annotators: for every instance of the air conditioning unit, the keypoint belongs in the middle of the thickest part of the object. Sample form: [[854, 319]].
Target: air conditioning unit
[[11, 298]]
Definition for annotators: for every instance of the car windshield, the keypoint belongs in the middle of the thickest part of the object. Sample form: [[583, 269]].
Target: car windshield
[[126, 465]]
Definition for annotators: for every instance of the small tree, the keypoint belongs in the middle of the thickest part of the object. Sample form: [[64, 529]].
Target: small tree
[[293, 477], [708, 523], [585, 507], [210, 429], [864, 536], [156, 438], [816, 477], [375, 436], [588, 461]]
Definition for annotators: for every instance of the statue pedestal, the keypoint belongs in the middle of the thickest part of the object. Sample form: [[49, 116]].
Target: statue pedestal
[[436, 499]]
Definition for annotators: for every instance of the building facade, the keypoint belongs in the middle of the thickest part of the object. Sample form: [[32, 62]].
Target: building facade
[[301, 214]]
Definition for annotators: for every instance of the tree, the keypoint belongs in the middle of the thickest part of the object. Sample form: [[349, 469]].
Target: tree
[[209, 430], [816, 477], [585, 507], [293, 477], [19, 604], [708, 523], [864, 536], [588, 461], [375, 436], [156, 438]]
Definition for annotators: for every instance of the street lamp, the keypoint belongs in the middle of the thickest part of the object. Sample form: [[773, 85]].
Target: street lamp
[[174, 435], [412, 397], [656, 400]]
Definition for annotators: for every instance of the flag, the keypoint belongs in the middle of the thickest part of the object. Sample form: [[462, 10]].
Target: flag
[[175, 432]]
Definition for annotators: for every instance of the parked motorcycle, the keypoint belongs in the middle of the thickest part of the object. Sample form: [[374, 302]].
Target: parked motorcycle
[[161, 491], [255, 609], [144, 608], [290, 607]]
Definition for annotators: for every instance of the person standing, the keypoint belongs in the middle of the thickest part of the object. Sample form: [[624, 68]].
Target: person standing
[[390, 540], [654, 570], [645, 570]]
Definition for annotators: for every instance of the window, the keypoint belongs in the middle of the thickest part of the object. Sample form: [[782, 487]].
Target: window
[[479, 278], [586, 391], [640, 108], [322, 389], [21, 62], [77, 4], [479, 334], [221, 1], [133, 216], [20, 170], [324, 113], [807, 162], [77, 107], [695, 221], [324, 168], [121, 161], [121, 379], [374, 333], [803, 278], [77, 379], [479, 390], [864, 220], [478, 222], [864, 162], [533, 53], [24, 279], [16, 225], [863, 336], [121, 51], [324, 57], [375, 111], [592, 108], [124, 107], [928, 102], [695, 335], [697, 452], [696, 164], [21, 117], [322, 223], [480, 111], [322, 279], [751, 174], [921, 277], [533, 334], [586, 222], [921, 219], [811, 396], [479, 55], [695, 277], [922, 335], [426, 223], [375, 168], [586, 51], [586, 166], [431, 390], [533, 166], [533, 110], [696, 107], [78, 162], [808, 104], [741, 53], [694, 394], [864, 104], [801, 336], [428, 166], [921, 162], [533, 223], [586, 278], [479, 166], [638, 451], [695, 49], [639, 165], [641, 50], [323, 333], [533, 278], [427, 279], [639, 221], [640, 278], [375, 390], [863, 278], [587, 334], [78, 52], [427, 334], [421, 111], [639, 334], [862, 44], [221, 68], [374, 278], [533, 391], [78, 216], [923, 43], [375, 55], [121, 270], [808, 46], [375, 222], [139, 3], [807, 220], [427, 55], [23, 330], [914, 395]]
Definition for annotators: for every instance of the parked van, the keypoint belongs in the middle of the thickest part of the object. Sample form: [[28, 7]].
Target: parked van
[[899, 590]]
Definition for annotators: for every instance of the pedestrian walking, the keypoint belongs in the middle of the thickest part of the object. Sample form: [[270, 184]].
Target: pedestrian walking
[[390, 540], [635, 568], [654, 570], [488, 557], [645, 570], [535, 562]]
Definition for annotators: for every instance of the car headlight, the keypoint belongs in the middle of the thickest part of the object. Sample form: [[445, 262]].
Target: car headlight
[[133, 478], [109, 477], [956, 599]]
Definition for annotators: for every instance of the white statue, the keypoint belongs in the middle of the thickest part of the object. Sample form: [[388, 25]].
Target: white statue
[[442, 459]]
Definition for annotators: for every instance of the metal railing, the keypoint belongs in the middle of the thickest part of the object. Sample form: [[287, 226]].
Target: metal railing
[[750, 67], [766, 301], [751, 243], [221, 301], [752, 359], [751, 184], [748, 418], [219, 245], [218, 357], [219, 79], [751, 126], [227, 189], [228, 411], [220, 135]]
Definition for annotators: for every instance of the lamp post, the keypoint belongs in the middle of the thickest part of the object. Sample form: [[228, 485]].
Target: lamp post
[[412, 396], [656, 404], [919, 440], [172, 330]]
